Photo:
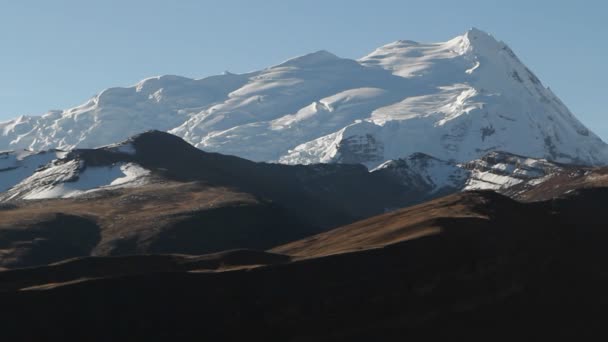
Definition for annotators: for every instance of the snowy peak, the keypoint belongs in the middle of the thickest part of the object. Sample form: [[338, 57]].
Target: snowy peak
[[475, 33], [152, 84], [312, 59], [408, 58], [455, 100], [478, 39]]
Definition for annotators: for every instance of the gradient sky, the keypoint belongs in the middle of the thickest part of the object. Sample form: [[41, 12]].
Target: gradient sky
[[56, 54]]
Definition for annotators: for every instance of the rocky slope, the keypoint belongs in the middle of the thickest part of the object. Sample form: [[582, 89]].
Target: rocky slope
[[502, 172]]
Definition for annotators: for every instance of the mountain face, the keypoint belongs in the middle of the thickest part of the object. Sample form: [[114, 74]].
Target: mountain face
[[506, 173], [155, 193], [156, 156], [456, 101]]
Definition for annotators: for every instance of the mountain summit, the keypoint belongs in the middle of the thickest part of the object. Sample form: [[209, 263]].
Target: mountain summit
[[455, 100]]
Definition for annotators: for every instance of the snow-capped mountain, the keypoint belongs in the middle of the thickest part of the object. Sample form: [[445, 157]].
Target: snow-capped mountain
[[455, 100]]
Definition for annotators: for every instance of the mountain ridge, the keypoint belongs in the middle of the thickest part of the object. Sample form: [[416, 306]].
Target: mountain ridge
[[152, 156], [155, 193], [455, 100]]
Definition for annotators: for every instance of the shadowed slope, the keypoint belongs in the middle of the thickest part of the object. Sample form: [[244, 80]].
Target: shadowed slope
[[493, 269], [401, 225], [103, 267], [190, 201]]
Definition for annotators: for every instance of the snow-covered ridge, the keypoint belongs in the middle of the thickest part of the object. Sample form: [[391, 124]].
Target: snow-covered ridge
[[151, 156], [455, 100], [71, 179], [18, 165], [499, 171], [502, 172], [426, 172], [65, 175]]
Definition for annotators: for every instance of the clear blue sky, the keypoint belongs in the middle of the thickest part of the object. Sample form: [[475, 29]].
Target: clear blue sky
[[56, 54]]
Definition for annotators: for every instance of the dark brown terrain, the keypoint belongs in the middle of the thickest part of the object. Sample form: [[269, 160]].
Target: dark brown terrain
[[475, 266], [171, 217]]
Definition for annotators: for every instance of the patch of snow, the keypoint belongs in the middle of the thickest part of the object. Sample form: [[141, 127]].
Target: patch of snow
[[71, 179], [133, 175], [16, 166], [488, 180], [470, 71], [425, 171]]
